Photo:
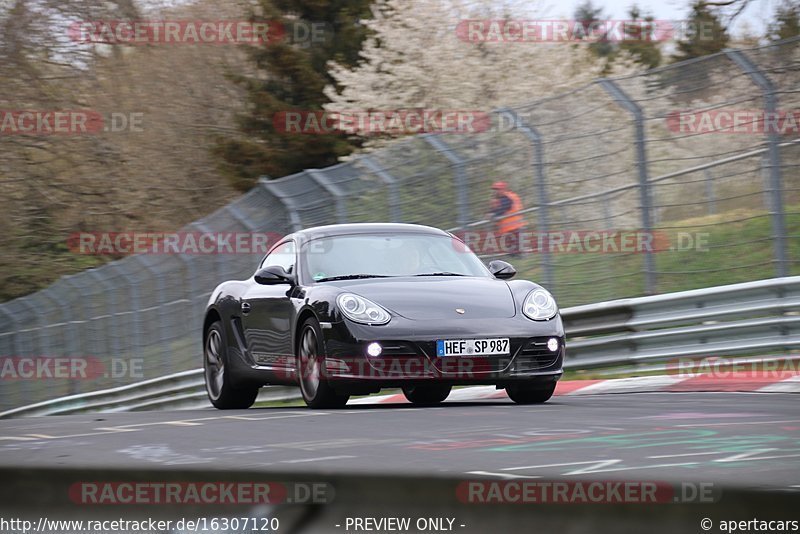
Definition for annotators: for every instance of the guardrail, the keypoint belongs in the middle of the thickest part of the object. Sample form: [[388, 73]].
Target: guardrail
[[180, 390], [724, 320]]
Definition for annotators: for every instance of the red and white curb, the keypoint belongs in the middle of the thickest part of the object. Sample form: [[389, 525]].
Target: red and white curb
[[745, 382]]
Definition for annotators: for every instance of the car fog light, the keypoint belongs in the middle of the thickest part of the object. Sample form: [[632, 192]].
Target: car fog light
[[552, 344], [374, 349]]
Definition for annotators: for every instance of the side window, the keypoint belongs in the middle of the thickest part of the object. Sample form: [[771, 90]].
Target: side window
[[283, 255]]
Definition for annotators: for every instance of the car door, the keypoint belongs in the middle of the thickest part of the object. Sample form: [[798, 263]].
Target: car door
[[267, 315]]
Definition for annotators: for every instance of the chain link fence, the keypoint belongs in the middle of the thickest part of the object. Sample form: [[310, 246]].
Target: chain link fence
[[644, 153]]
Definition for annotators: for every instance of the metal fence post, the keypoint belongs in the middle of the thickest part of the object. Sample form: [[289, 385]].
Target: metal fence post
[[710, 196], [459, 176], [70, 335], [391, 183], [607, 218], [36, 335], [134, 311], [113, 349], [644, 181], [55, 304], [291, 209], [333, 190], [219, 276], [237, 214], [24, 389], [24, 345], [251, 227], [541, 188], [6, 394], [769, 93], [765, 179], [105, 341], [75, 327], [191, 284], [157, 309]]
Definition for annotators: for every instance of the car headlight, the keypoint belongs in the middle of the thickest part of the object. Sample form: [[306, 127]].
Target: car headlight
[[539, 305], [362, 310]]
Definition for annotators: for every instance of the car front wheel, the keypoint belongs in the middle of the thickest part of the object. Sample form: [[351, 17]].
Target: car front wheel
[[220, 391], [317, 393], [531, 393]]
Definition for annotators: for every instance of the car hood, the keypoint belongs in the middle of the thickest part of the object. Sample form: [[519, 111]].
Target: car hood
[[429, 298]]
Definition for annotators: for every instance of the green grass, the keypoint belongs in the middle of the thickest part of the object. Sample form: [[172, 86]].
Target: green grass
[[738, 248]]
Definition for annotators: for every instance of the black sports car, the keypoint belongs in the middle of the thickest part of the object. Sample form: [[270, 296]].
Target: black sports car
[[349, 309]]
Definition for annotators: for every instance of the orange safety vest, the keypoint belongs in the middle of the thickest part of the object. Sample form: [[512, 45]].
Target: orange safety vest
[[512, 222]]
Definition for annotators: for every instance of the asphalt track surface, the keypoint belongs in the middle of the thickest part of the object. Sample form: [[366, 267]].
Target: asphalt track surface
[[739, 439]]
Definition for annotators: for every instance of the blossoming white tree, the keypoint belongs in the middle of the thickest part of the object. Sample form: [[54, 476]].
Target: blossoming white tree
[[417, 59]]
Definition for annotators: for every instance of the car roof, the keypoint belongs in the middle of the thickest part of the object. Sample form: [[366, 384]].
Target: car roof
[[364, 228]]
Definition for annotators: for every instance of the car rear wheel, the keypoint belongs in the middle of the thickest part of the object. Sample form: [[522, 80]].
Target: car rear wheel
[[531, 394], [427, 395], [317, 393], [220, 391]]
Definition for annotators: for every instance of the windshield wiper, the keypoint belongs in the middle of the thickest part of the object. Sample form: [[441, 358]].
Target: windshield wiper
[[351, 277], [444, 273]]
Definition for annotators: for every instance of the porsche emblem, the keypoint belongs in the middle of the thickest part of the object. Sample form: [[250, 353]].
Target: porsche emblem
[[461, 311]]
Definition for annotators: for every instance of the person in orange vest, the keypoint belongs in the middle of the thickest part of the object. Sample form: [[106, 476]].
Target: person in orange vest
[[505, 208]]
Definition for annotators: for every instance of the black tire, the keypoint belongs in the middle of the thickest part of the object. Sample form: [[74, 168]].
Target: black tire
[[222, 394], [316, 391], [426, 395], [531, 393]]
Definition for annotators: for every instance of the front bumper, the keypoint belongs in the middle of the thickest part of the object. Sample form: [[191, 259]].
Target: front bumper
[[409, 352]]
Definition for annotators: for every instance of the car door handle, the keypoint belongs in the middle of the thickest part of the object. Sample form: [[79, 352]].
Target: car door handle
[[245, 308]]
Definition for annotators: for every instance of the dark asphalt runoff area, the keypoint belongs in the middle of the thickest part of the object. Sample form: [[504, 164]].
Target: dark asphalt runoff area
[[740, 439]]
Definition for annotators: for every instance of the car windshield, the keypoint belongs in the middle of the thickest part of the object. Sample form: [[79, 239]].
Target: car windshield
[[384, 255]]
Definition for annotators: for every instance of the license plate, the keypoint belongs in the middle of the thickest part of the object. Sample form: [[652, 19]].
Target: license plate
[[472, 347]]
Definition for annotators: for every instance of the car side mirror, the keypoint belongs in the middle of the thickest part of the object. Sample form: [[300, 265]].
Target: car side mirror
[[273, 275], [502, 269]]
